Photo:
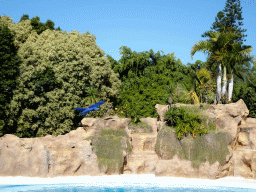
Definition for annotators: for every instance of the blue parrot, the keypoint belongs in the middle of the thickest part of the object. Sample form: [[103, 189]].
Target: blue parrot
[[91, 108]]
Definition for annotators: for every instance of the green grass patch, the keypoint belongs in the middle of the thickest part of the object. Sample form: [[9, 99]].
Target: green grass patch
[[167, 145], [211, 146], [109, 146]]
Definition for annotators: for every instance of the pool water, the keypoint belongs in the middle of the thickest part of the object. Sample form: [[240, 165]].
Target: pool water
[[82, 187], [124, 184]]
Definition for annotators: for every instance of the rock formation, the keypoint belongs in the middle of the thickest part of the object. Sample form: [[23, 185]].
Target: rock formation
[[143, 157], [161, 109], [49, 156], [229, 151]]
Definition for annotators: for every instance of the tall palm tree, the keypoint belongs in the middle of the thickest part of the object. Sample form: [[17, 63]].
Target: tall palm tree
[[238, 62], [220, 51], [213, 46], [232, 55]]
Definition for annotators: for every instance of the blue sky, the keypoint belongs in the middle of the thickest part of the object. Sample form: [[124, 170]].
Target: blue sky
[[167, 25]]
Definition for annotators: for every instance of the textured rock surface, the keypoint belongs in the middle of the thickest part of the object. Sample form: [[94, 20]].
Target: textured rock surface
[[229, 116], [161, 109], [110, 122], [48, 156], [177, 167], [71, 155]]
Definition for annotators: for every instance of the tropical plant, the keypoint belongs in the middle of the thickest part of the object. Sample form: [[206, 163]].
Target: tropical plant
[[225, 22], [233, 57], [185, 122], [202, 85], [148, 79], [217, 49]]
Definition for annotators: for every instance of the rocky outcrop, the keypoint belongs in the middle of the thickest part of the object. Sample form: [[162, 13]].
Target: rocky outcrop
[[110, 122], [227, 152], [177, 167], [49, 156], [161, 109], [230, 119], [229, 116], [143, 157]]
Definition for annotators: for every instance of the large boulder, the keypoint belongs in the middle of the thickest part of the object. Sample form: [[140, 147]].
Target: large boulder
[[177, 167], [152, 122], [167, 145], [229, 116], [23, 157], [161, 109], [110, 122], [49, 156]]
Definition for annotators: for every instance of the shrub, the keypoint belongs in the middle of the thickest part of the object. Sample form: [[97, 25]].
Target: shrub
[[187, 120]]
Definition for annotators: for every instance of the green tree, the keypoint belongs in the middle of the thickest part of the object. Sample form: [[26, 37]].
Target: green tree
[[240, 59], [24, 17], [38, 26], [58, 69], [231, 17], [9, 72], [21, 29], [217, 52], [25, 26], [147, 78], [227, 54], [229, 20]]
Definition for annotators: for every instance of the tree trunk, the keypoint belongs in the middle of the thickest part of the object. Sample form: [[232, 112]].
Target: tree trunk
[[224, 86], [218, 82], [230, 87]]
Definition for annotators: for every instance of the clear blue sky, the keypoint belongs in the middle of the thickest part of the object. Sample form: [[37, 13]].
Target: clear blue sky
[[167, 25]]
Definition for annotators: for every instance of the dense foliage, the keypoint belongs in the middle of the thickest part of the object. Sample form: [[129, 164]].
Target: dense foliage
[[38, 26], [58, 73], [186, 121], [9, 72], [147, 79]]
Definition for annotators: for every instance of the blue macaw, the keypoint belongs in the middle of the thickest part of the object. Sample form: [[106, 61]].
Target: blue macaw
[[91, 108]]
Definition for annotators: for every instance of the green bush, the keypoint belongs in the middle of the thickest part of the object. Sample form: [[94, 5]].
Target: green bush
[[187, 120]]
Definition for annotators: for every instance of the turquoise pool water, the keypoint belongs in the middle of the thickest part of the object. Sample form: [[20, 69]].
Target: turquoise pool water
[[125, 183], [81, 187]]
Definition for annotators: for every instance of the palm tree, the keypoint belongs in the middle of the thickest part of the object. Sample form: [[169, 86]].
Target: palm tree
[[218, 49], [210, 47], [233, 57], [239, 59], [201, 80]]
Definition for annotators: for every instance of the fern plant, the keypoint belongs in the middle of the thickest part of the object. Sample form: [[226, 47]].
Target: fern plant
[[185, 122]]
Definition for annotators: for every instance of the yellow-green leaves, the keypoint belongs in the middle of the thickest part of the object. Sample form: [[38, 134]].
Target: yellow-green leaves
[[57, 69]]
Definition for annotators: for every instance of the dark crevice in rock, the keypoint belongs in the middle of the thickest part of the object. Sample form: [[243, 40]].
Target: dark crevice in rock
[[78, 168], [124, 164]]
